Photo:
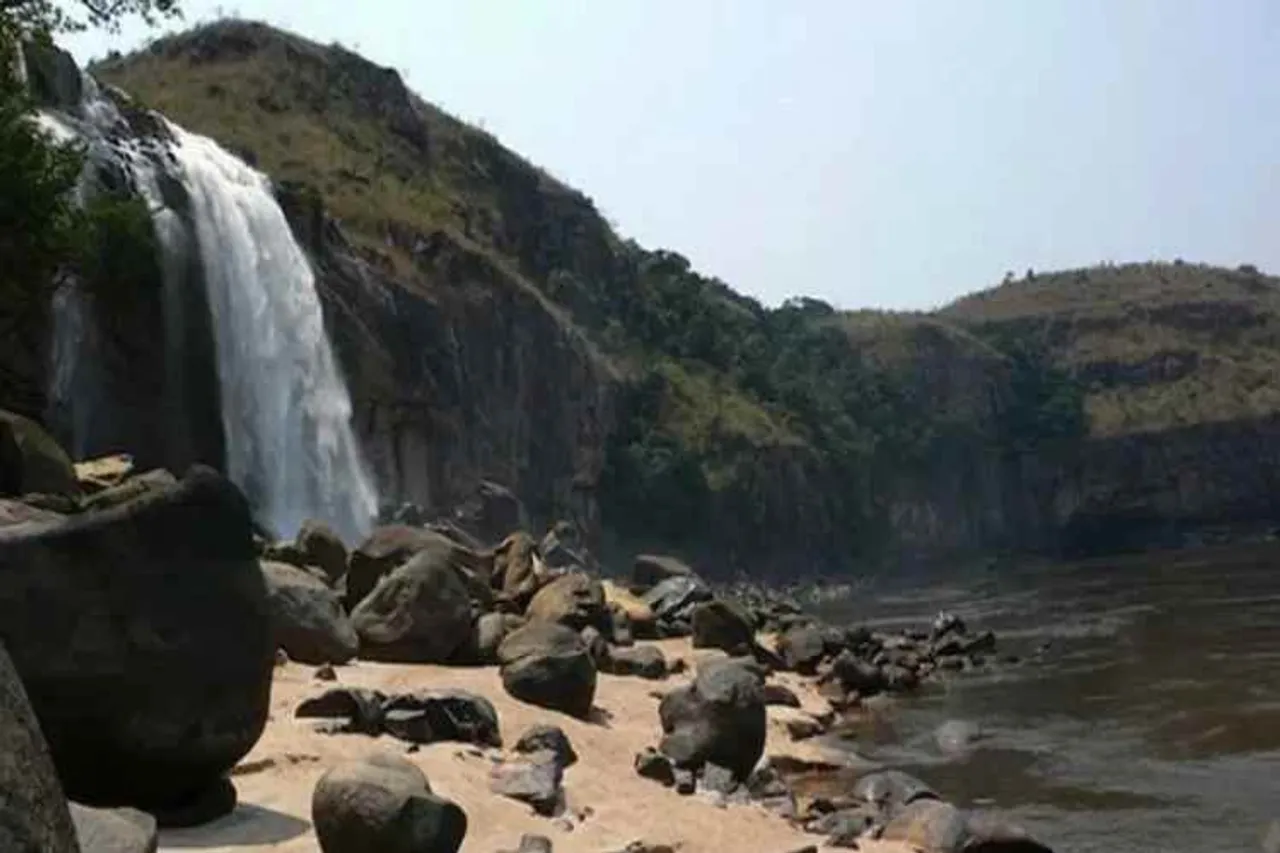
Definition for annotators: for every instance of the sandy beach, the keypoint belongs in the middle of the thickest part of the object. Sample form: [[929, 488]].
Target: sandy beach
[[609, 806]]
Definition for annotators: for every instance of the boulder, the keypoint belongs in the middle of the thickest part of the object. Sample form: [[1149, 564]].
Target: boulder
[[383, 803], [130, 489], [649, 570], [94, 475], [14, 513], [723, 624], [114, 830], [545, 738], [574, 599], [535, 781], [548, 665], [144, 637], [643, 661], [652, 764], [639, 614], [620, 631], [675, 598], [323, 548], [33, 811], [421, 611], [386, 548], [308, 619], [31, 461], [487, 633], [517, 574], [719, 718], [802, 648], [492, 512], [561, 548], [349, 709], [430, 716]]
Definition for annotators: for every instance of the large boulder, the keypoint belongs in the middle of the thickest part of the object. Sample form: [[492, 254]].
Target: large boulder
[[673, 600], [492, 512], [421, 611], [309, 622], [517, 573], [574, 599], [718, 719], [383, 803], [562, 547], [322, 548], [548, 665], [639, 614], [386, 548], [130, 489], [649, 570], [487, 633], [144, 638], [31, 461], [33, 810], [723, 623]]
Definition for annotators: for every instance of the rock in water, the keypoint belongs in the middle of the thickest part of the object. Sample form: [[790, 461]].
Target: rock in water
[[802, 648], [421, 612], [323, 548], [548, 665], [144, 638], [114, 830], [383, 803], [723, 624], [308, 618], [575, 599], [33, 810], [719, 718], [31, 461], [931, 826]]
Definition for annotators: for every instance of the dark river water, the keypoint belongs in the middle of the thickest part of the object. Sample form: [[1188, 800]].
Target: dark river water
[[1151, 723]]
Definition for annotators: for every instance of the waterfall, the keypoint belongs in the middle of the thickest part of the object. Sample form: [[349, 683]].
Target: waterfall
[[285, 407]]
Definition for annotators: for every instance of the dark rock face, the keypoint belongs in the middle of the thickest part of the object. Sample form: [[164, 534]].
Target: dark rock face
[[114, 830], [144, 637], [548, 665], [33, 810], [421, 611], [719, 718], [383, 803], [31, 461], [307, 616]]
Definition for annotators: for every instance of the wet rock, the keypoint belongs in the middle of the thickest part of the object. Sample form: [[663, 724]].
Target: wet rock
[[183, 621], [545, 738], [643, 661], [723, 624], [114, 830], [535, 781], [575, 600], [288, 554], [780, 695], [431, 716], [946, 623], [719, 718], [1271, 838], [857, 675], [899, 679], [983, 643], [355, 709], [421, 611], [383, 803], [548, 665], [307, 617], [652, 764], [957, 736], [928, 825], [890, 790], [985, 833], [31, 461], [130, 489], [323, 548], [649, 570], [33, 810]]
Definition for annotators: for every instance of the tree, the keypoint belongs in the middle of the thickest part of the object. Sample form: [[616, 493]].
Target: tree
[[43, 18]]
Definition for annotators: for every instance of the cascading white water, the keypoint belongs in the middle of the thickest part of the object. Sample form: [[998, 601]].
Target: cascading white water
[[286, 411]]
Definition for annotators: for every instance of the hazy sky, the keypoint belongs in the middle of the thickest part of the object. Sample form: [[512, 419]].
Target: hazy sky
[[887, 154]]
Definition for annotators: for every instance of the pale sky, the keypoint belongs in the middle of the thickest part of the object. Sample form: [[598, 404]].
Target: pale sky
[[874, 154]]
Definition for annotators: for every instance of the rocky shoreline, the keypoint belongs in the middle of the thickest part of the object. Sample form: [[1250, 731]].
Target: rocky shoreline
[[445, 685]]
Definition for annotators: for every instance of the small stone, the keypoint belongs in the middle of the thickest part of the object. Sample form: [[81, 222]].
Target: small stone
[[803, 728], [325, 672], [718, 779], [685, 781], [536, 782], [781, 696], [282, 657], [563, 824], [548, 738], [652, 764]]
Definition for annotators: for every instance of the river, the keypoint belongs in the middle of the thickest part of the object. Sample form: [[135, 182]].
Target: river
[[1149, 724]]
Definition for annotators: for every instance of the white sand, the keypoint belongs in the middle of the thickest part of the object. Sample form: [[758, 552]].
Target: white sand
[[275, 781]]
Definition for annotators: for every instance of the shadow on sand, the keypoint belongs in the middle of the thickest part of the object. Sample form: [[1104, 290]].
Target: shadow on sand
[[247, 826]]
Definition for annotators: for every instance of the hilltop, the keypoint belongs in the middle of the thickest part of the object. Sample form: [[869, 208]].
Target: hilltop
[[615, 385]]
